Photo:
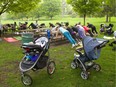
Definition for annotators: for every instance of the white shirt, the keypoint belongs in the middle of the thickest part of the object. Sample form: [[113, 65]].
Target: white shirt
[[115, 33]]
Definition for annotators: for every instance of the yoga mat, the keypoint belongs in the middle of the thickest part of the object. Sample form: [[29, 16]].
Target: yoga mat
[[10, 39], [106, 37], [18, 38]]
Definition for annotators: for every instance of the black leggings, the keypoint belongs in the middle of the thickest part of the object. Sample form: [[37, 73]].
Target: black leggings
[[94, 30]]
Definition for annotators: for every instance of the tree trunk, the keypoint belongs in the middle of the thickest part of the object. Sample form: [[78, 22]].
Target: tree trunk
[[107, 18], [51, 17], [84, 18]]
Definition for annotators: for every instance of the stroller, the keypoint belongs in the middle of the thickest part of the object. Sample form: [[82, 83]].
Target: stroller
[[36, 59], [109, 29], [92, 48]]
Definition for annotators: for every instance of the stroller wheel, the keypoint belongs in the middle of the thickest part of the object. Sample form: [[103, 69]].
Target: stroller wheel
[[97, 67], [74, 65], [51, 67], [26, 80], [84, 75]]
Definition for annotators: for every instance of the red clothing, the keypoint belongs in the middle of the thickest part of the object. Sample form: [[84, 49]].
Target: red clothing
[[86, 28]]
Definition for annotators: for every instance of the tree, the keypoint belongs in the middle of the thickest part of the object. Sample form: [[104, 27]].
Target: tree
[[109, 9], [17, 6], [50, 8], [85, 7], [36, 12]]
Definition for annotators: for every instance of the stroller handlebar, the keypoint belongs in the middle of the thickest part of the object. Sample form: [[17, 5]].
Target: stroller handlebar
[[102, 44], [79, 52]]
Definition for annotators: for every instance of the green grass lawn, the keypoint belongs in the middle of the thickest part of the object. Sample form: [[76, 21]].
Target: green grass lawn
[[64, 76]]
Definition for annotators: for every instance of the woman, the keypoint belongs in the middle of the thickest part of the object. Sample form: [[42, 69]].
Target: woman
[[67, 35]]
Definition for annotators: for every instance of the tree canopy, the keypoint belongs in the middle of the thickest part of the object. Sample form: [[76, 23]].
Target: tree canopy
[[50, 8], [85, 7], [17, 6], [109, 8]]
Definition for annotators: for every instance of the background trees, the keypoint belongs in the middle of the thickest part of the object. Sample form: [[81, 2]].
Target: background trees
[[109, 9], [85, 7], [17, 6], [50, 8]]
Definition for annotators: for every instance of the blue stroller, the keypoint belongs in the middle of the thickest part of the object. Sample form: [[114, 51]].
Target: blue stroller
[[35, 58], [92, 48]]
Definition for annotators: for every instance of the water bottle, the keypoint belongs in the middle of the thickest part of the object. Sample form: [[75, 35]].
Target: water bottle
[[48, 34]]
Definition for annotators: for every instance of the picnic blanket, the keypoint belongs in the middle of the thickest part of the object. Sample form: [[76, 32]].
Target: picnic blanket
[[10, 39]]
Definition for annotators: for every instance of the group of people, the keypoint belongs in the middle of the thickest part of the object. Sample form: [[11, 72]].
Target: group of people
[[106, 29], [20, 26], [73, 33]]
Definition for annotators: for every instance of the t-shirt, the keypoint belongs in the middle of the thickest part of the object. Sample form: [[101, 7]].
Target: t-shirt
[[81, 31], [86, 28], [63, 30]]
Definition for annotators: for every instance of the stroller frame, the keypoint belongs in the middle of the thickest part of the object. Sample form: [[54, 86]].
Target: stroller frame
[[85, 65], [25, 78]]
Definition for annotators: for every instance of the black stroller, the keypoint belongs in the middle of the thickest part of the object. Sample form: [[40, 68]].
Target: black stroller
[[84, 61], [109, 29], [35, 58]]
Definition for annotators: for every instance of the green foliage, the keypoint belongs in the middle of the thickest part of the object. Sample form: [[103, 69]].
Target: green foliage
[[17, 6], [85, 6], [50, 8], [109, 7]]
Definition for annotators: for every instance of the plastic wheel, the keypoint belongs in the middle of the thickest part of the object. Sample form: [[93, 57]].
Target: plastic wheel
[[51, 67], [26, 80], [97, 67], [74, 65], [84, 75]]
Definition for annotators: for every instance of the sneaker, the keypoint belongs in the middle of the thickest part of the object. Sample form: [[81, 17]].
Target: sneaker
[[76, 44], [80, 43], [73, 45]]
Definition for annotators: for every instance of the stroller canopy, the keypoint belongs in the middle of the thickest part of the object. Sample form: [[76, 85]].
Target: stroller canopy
[[90, 47], [41, 41]]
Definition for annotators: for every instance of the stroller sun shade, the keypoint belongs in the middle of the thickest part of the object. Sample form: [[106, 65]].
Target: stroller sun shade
[[90, 47], [41, 41]]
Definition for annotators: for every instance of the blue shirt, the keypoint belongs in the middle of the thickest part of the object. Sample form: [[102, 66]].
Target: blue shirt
[[81, 31], [62, 30]]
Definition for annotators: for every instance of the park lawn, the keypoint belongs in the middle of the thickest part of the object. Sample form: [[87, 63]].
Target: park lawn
[[11, 55]]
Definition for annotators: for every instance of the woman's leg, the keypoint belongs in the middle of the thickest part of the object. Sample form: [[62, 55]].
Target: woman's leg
[[69, 37], [89, 31], [94, 30]]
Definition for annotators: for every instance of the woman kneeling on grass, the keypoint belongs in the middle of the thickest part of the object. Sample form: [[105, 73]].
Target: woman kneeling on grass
[[67, 35]]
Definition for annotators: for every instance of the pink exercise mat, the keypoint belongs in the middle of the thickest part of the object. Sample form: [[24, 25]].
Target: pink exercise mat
[[10, 39]]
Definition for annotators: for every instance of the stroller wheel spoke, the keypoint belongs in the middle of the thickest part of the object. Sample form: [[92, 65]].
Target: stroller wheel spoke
[[26, 80], [97, 67], [74, 65], [84, 75], [51, 67]]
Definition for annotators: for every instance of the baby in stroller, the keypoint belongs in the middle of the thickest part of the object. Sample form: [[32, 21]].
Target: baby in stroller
[[35, 58], [92, 48]]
